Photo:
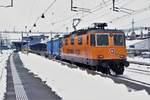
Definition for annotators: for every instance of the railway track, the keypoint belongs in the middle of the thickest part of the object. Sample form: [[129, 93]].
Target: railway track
[[139, 71], [140, 63]]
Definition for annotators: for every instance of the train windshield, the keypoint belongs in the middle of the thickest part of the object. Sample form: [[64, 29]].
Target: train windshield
[[119, 39], [102, 40]]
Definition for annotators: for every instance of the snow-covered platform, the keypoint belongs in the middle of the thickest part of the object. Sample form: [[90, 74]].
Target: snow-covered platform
[[23, 84], [71, 82]]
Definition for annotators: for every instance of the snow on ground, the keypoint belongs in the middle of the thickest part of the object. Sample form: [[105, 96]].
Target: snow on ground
[[3, 72], [75, 84]]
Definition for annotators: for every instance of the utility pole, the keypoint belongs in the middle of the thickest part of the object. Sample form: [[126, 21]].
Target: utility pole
[[21, 41], [113, 5], [1, 44], [133, 25], [12, 4], [27, 40], [51, 44], [133, 34]]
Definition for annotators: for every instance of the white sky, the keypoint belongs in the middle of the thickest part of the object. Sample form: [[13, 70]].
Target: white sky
[[25, 12]]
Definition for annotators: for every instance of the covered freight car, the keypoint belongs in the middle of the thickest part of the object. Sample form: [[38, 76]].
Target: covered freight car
[[39, 48], [53, 47]]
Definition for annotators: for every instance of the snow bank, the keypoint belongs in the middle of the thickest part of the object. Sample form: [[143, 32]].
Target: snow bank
[[3, 72], [75, 84]]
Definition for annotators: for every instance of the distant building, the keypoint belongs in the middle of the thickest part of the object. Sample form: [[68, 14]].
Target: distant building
[[27, 41], [138, 45], [18, 45], [34, 39]]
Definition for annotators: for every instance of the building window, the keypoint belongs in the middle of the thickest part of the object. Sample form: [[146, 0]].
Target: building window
[[80, 39]]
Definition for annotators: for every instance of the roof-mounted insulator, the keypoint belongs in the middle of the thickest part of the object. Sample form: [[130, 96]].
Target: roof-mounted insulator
[[100, 25]]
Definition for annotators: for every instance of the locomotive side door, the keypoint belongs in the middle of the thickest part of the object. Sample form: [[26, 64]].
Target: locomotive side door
[[87, 50]]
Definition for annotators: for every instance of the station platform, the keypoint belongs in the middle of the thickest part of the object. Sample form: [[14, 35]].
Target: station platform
[[24, 85]]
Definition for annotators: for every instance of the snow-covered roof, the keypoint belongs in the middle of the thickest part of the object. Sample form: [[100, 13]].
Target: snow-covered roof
[[138, 44], [132, 42]]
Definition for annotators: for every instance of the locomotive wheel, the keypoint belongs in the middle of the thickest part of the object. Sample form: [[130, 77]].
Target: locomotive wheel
[[113, 73], [120, 70], [104, 70], [116, 70]]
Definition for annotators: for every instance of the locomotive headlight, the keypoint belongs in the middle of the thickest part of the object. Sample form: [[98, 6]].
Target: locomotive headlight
[[122, 56], [100, 56]]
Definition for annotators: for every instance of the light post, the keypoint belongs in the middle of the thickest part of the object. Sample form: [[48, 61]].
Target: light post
[[1, 44], [27, 39], [21, 41]]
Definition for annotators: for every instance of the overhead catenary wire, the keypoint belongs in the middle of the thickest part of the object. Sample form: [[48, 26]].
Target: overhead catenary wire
[[127, 15], [45, 11], [94, 9], [138, 21], [31, 11], [135, 13]]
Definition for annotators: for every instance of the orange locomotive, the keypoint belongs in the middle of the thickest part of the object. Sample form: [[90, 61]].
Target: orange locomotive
[[103, 49]]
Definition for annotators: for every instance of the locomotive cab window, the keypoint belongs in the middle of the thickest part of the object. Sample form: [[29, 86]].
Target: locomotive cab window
[[119, 39], [92, 40], [80, 39], [102, 39]]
